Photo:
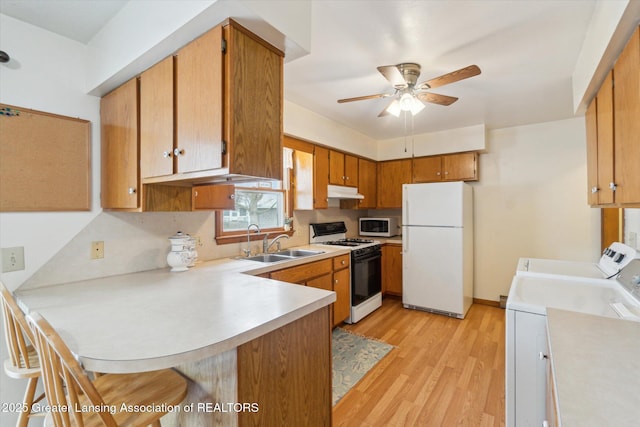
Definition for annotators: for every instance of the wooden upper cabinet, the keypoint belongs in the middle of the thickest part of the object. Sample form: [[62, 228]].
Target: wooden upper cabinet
[[320, 177], [605, 143], [448, 167], [199, 103], [626, 106], [336, 167], [591, 123], [391, 175], [343, 169], [213, 197], [460, 167], [367, 178], [613, 127], [156, 120], [427, 169], [120, 187], [253, 104]]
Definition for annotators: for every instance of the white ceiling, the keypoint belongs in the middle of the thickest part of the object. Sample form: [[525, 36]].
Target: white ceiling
[[526, 49]]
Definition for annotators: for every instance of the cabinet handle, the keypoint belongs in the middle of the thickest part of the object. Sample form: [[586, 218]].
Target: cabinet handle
[[613, 186], [335, 281], [166, 154], [542, 356], [594, 190], [232, 196], [437, 173], [344, 177], [131, 190], [446, 173], [178, 151], [343, 262]]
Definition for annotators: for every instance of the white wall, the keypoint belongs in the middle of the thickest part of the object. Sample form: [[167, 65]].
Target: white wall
[[46, 72], [531, 201]]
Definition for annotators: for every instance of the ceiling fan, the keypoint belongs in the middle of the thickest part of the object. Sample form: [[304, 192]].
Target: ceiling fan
[[409, 96]]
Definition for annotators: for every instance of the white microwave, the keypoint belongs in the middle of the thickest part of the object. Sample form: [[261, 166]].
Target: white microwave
[[379, 227]]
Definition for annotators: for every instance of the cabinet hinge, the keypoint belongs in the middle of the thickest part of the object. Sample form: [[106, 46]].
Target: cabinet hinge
[[224, 148], [224, 46]]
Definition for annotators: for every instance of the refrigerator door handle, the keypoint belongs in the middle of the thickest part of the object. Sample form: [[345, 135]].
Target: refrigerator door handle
[[405, 220], [405, 242]]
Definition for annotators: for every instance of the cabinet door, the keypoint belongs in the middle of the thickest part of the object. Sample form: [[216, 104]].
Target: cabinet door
[[591, 123], [342, 287], [367, 183], [253, 104], [336, 168], [427, 169], [626, 99], [320, 177], [460, 167], [322, 282], [604, 129], [199, 103], [350, 170], [119, 152], [156, 120], [392, 269], [214, 197], [391, 176], [302, 182]]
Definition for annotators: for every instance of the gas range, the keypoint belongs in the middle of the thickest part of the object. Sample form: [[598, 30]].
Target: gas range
[[366, 275], [334, 234]]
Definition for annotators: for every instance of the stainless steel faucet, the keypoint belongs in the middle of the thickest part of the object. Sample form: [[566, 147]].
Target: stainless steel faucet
[[247, 252], [266, 245]]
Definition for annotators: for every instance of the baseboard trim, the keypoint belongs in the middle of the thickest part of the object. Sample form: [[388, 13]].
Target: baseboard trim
[[486, 302]]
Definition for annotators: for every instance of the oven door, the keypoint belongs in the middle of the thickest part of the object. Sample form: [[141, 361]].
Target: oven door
[[366, 276]]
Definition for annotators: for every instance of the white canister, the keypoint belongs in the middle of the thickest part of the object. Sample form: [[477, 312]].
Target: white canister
[[181, 252]]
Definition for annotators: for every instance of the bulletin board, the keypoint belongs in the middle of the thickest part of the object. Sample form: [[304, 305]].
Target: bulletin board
[[45, 161]]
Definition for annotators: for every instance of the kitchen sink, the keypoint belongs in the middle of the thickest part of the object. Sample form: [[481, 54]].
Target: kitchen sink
[[269, 258], [297, 253], [286, 255]]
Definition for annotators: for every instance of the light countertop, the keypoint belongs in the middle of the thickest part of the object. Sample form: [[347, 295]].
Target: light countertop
[[596, 368], [158, 319]]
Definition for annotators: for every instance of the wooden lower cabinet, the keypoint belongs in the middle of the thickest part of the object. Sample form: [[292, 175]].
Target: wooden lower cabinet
[[287, 374], [332, 274], [392, 269]]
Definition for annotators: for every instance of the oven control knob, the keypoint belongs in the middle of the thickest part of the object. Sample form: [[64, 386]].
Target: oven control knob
[[619, 258], [612, 254]]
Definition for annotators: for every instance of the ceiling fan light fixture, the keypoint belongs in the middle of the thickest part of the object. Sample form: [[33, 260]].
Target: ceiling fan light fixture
[[408, 102]]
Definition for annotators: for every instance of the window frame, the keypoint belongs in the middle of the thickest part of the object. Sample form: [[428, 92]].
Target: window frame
[[237, 236]]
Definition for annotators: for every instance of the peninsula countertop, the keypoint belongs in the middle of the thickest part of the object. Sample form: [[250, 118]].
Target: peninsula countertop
[[595, 367], [158, 319]]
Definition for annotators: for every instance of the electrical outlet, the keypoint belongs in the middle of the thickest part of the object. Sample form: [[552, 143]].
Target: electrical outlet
[[12, 259], [97, 250]]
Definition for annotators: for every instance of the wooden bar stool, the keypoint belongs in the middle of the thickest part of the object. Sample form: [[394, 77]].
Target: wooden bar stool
[[23, 360], [100, 402]]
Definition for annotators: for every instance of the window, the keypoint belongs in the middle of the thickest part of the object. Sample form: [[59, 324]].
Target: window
[[261, 203], [265, 203]]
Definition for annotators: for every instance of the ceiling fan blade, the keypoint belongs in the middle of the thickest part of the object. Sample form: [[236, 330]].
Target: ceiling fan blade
[[361, 98], [435, 98], [393, 74], [454, 76]]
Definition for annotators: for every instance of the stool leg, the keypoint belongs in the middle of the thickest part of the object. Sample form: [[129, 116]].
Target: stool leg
[[23, 418]]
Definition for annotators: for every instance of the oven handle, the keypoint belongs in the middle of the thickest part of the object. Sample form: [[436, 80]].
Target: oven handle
[[368, 257]]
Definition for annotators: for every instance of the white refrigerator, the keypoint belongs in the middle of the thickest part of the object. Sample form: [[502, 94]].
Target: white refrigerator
[[437, 239]]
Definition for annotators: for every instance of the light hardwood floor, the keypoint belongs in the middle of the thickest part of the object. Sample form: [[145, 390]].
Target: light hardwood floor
[[443, 371]]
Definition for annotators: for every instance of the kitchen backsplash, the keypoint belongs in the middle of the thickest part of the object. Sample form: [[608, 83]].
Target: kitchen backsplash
[[139, 241]]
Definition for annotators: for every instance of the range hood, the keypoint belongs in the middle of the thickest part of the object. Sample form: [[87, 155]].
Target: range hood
[[342, 192]]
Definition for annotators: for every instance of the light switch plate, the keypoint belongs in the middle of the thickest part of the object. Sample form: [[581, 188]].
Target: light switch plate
[[12, 259]]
